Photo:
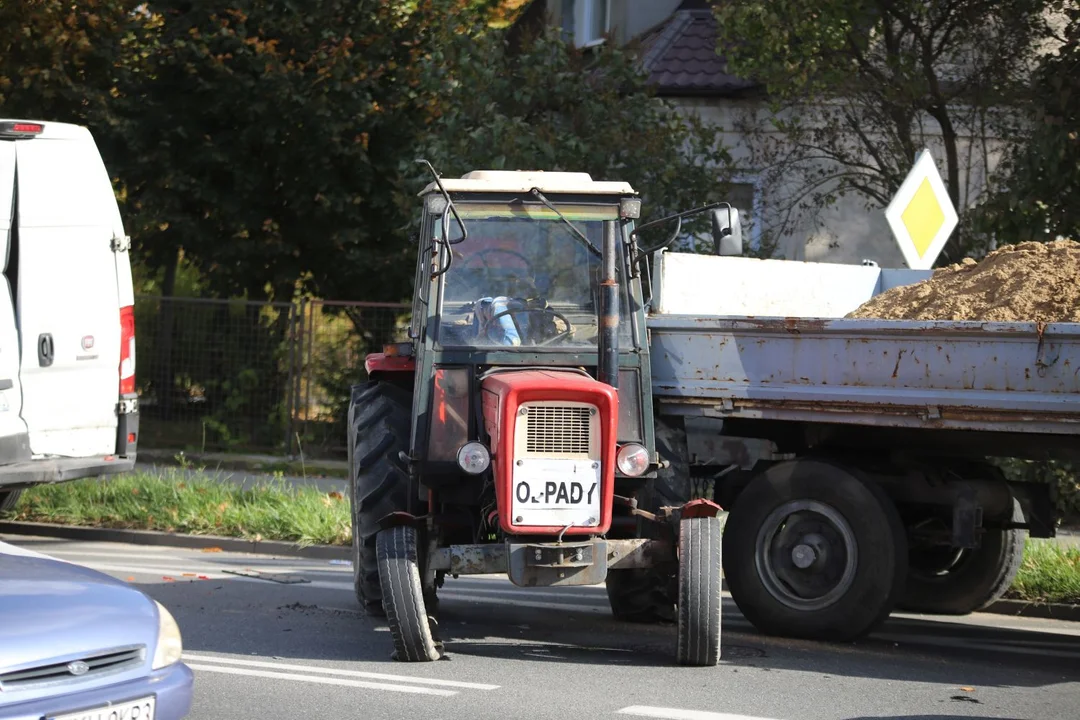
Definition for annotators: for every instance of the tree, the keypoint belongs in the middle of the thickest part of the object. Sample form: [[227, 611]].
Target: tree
[[1039, 179], [856, 89], [542, 104]]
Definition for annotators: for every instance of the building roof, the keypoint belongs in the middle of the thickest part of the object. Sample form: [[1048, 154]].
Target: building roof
[[522, 181], [681, 59]]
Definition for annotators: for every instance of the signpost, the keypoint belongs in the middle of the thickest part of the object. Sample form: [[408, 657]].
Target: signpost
[[921, 215]]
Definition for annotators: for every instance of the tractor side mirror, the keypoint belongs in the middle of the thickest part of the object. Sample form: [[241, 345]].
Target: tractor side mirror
[[727, 231]]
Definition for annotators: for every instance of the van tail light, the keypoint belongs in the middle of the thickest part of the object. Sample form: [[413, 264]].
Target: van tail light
[[127, 350]]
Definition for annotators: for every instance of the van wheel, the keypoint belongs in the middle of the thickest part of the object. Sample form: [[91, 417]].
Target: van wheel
[[812, 551], [8, 499], [379, 418]]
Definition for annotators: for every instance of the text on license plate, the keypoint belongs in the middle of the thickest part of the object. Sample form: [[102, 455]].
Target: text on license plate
[[553, 492], [141, 709]]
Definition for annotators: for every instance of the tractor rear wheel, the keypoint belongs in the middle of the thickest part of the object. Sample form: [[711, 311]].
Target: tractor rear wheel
[[649, 595], [699, 591], [379, 421]]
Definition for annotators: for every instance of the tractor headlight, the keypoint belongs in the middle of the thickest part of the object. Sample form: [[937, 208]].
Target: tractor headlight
[[473, 458], [632, 459]]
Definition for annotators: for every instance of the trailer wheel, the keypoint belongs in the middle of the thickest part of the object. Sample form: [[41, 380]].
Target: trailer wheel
[[403, 596], [8, 499], [649, 595], [699, 592], [812, 551], [379, 417], [958, 581]]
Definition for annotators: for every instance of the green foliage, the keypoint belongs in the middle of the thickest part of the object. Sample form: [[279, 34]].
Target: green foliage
[[1050, 573], [1041, 174], [177, 500], [858, 88], [551, 107]]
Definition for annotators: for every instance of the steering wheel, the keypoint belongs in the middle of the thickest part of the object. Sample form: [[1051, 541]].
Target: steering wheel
[[544, 311]]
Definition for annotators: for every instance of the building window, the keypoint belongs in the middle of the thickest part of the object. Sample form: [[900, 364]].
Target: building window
[[585, 22]]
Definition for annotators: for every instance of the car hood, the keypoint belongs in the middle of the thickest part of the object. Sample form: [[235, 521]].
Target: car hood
[[57, 611]]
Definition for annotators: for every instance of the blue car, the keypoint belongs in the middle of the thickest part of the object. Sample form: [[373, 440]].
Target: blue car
[[76, 644]]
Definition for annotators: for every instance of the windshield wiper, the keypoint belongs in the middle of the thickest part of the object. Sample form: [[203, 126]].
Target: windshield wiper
[[592, 248]]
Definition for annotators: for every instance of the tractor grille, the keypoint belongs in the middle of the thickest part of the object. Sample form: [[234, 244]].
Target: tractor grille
[[558, 430], [113, 661]]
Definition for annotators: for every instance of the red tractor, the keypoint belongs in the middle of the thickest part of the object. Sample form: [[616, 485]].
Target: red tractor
[[514, 433]]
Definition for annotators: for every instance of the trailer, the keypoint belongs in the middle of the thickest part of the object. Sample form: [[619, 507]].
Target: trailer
[[855, 457]]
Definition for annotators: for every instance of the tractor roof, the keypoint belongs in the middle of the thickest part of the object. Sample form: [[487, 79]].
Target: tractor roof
[[495, 181]]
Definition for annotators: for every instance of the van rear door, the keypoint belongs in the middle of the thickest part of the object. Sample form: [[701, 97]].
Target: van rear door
[[12, 428], [67, 295]]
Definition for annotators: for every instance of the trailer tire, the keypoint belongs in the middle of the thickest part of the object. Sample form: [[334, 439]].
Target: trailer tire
[[397, 549], [960, 582], [699, 592], [813, 551], [650, 595], [8, 499], [379, 421]]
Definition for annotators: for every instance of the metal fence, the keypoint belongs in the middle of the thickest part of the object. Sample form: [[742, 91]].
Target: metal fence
[[234, 375]]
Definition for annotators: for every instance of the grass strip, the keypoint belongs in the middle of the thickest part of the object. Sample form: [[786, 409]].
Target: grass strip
[[173, 501], [1050, 573]]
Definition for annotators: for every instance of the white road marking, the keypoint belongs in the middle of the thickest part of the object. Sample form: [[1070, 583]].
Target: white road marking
[[321, 680], [117, 555], [677, 714], [215, 574], [337, 671]]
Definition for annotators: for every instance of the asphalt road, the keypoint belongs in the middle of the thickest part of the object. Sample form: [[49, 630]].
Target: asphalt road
[[265, 649]]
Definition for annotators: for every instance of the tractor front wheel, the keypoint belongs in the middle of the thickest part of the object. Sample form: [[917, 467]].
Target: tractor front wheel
[[397, 549], [699, 591]]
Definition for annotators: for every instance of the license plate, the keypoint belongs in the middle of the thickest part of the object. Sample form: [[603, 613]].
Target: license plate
[[141, 709], [556, 493]]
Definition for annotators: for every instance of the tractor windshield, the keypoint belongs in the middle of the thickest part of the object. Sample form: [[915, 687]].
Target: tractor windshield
[[522, 277]]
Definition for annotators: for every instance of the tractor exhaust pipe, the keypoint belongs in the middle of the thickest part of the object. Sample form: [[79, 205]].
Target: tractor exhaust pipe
[[608, 369]]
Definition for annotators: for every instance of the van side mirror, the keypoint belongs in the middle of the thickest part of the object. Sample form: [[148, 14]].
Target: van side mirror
[[727, 231]]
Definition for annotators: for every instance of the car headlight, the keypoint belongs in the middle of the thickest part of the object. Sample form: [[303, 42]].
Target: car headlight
[[169, 645], [632, 459]]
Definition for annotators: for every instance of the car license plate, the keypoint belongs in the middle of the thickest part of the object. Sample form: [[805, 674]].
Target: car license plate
[[141, 709], [556, 492]]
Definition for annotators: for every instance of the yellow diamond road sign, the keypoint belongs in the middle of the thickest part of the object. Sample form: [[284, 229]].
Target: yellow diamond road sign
[[921, 215]]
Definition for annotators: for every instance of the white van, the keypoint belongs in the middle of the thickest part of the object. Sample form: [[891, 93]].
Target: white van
[[68, 406]]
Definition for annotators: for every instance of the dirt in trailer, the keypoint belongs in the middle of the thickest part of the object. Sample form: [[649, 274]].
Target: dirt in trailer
[[1029, 282]]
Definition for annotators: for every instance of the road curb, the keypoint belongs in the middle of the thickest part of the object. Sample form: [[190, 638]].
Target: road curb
[[336, 469], [1023, 608], [154, 537]]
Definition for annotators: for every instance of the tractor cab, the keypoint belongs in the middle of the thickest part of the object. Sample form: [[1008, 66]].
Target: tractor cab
[[514, 432]]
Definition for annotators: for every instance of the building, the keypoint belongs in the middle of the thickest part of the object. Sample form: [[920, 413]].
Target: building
[[676, 41]]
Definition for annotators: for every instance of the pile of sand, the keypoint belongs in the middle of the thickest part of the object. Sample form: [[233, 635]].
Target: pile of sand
[[1029, 282]]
